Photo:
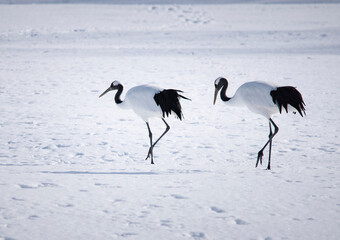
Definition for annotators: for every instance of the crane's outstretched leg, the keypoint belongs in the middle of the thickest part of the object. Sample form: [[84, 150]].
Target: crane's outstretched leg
[[271, 136], [150, 153], [270, 145]]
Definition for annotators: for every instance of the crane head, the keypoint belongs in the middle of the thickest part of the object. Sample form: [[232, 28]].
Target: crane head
[[219, 83], [114, 86]]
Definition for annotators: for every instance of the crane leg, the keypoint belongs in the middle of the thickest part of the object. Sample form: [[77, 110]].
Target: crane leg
[[271, 136], [150, 153], [270, 145]]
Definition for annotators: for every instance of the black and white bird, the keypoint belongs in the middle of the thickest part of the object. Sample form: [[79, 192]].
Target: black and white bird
[[264, 99], [148, 102]]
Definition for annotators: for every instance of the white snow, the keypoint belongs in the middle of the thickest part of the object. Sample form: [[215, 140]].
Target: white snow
[[72, 165]]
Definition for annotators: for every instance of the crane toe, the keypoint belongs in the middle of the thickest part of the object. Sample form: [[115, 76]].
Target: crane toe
[[150, 155], [259, 158]]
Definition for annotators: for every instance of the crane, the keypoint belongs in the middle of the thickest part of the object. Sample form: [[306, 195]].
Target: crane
[[148, 102], [264, 99]]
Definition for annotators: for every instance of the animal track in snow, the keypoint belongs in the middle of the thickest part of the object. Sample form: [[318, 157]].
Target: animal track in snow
[[27, 186], [32, 217], [176, 196], [65, 205], [166, 223], [126, 235], [237, 221], [185, 14], [197, 235], [217, 210], [240, 222]]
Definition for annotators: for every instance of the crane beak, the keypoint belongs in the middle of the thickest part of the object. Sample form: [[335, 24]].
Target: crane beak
[[215, 96], [106, 91]]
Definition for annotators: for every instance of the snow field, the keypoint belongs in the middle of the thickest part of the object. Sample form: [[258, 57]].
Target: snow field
[[72, 165]]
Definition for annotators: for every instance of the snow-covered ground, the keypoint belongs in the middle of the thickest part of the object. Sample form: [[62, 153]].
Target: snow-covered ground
[[72, 165]]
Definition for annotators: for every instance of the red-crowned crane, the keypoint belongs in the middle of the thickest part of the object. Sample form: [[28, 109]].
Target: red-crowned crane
[[148, 102], [264, 99]]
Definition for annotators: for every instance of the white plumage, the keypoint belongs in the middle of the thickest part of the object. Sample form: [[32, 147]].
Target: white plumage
[[255, 96], [264, 99], [141, 100]]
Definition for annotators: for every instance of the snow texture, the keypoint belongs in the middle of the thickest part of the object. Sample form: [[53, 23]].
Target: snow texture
[[72, 164]]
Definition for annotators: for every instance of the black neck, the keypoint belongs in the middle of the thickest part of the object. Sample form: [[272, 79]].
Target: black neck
[[224, 93], [119, 92]]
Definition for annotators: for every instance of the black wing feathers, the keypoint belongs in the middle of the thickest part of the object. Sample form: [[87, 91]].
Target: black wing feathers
[[168, 100], [283, 96]]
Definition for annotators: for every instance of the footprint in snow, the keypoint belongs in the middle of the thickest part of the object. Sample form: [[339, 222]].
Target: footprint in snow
[[240, 222], [62, 146], [166, 223], [127, 234], [32, 217], [176, 196], [65, 205], [197, 235], [217, 210], [24, 186]]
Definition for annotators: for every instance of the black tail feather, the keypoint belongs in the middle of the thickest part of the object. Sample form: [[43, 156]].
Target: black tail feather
[[181, 95], [168, 100], [284, 96]]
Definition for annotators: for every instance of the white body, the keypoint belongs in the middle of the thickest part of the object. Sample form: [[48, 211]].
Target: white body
[[141, 100], [256, 96]]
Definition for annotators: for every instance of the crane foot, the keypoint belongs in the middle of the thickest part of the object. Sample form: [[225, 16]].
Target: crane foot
[[150, 155], [259, 158]]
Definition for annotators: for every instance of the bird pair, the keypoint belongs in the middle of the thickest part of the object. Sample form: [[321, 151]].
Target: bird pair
[[261, 98]]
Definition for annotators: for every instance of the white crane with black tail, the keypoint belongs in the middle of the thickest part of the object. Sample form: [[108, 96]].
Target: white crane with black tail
[[264, 99], [148, 102]]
